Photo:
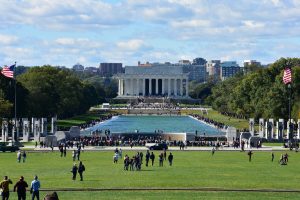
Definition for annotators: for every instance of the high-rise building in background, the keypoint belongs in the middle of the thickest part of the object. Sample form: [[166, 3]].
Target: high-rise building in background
[[213, 68], [78, 67], [229, 69], [110, 69]]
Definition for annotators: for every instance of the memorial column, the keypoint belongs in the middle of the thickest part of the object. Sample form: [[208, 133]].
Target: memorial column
[[180, 85], [138, 86], [186, 87], [169, 87], [162, 86], [144, 86], [156, 86], [150, 86], [175, 87]]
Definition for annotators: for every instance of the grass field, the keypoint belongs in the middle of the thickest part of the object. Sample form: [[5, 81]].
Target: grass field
[[225, 170], [215, 115]]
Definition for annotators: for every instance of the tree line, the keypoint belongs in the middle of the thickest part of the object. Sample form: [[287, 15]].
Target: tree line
[[47, 91], [259, 93]]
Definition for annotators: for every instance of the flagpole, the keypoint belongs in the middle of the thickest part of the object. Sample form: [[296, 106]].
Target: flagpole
[[13, 139]]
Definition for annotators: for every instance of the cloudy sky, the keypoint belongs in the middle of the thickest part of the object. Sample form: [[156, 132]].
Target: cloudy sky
[[64, 32]]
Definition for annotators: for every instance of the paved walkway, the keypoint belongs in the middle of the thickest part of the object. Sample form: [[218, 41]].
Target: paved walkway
[[143, 148], [200, 189]]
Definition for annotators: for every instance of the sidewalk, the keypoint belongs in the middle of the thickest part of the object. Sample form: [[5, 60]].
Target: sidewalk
[[143, 148]]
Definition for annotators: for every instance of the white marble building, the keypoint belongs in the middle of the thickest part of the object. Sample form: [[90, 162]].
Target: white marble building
[[155, 80]]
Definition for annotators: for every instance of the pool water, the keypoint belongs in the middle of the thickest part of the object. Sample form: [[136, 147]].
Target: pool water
[[167, 124]]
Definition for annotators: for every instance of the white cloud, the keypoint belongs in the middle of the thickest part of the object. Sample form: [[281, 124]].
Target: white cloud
[[131, 45], [8, 39]]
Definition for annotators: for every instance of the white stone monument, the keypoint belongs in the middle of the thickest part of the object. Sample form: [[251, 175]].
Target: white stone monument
[[280, 129], [53, 125], [32, 125], [288, 129], [25, 130], [251, 126], [4, 130], [44, 126], [261, 131], [231, 134], [37, 130]]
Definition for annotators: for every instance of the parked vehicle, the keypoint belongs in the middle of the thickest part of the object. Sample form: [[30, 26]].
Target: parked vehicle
[[4, 147], [160, 146]]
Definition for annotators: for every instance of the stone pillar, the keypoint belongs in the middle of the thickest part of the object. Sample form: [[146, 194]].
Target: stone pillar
[[186, 87], [175, 87], [150, 86], [156, 86], [298, 129], [122, 85], [4, 130], [271, 129], [44, 126], [144, 86], [25, 130], [119, 88], [169, 87], [18, 129], [251, 126], [37, 130], [288, 129], [180, 87], [261, 131], [138, 87], [13, 130], [162, 86], [53, 125], [280, 129], [32, 125]]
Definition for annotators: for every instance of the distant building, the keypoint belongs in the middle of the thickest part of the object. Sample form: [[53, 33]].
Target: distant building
[[184, 62], [110, 69], [199, 61], [213, 68], [251, 65], [196, 72], [91, 70], [251, 62], [78, 68], [153, 80], [229, 69]]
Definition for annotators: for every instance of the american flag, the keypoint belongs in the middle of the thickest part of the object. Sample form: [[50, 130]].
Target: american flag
[[287, 76], [8, 71]]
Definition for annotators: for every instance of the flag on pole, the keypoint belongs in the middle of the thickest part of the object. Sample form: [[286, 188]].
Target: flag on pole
[[287, 76], [8, 71]]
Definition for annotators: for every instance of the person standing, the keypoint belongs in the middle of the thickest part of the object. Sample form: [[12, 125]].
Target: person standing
[[170, 158], [161, 160], [35, 188], [147, 158], [74, 171], [152, 157], [21, 186], [273, 156], [24, 155], [19, 156], [250, 155], [4, 185], [74, 155], [81, 169], [213, 151]]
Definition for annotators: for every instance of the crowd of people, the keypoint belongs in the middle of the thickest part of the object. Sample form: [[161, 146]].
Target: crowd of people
[[135, 162], [216, 124], [20, 187]]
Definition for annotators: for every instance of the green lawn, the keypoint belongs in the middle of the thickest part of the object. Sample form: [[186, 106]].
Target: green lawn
[[229, 170], [215, 115]]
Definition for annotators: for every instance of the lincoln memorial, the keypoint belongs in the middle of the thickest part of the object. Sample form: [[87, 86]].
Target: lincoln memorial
[[155, 80]]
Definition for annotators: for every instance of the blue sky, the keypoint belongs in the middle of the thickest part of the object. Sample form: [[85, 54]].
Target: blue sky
[[57, 32]]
